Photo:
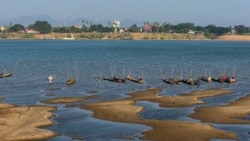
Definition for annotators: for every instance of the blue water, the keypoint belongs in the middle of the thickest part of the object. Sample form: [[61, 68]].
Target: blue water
[[90, 60]]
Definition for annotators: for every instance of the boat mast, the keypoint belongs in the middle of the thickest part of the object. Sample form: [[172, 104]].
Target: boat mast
[[16, 66]]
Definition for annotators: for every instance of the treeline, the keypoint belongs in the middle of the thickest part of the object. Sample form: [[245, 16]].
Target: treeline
[[44, 27]]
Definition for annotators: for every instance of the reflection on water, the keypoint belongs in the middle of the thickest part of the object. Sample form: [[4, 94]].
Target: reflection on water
[[94, 59]]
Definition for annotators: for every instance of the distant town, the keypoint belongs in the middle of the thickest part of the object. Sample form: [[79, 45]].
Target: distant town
[[89, 30]]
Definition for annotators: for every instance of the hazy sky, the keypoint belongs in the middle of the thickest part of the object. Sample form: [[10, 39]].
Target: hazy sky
[[200, 12]]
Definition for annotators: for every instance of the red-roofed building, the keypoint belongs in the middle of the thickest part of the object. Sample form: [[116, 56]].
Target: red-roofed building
[[147, 28]]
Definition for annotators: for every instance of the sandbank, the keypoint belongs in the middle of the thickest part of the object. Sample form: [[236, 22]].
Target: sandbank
[[22, 123], [184, 100], [126, 111], [65, 100], [232, 113]]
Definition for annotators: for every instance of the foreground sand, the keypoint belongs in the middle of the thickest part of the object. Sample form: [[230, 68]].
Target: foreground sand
[[126, 111], [22, 123], [231, 113]]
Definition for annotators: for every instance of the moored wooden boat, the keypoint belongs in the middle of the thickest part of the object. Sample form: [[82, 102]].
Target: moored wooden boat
[[206, 79], [169, 81], [191, 81], [228, 79], [218, 79], [114, 79], [179, 81], [4, 74], [71, 81], [231, 79], [130, 78], [8, 74]]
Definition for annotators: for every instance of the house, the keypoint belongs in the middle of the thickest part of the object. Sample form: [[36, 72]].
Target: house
[[31, 31], [78, 26], [147, 28], [191, 32]]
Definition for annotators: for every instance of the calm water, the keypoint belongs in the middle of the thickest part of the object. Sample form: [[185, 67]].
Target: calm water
[[90, 60]]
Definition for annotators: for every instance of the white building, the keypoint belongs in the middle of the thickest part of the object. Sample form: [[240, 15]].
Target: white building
[[2, 28], [116, 25]]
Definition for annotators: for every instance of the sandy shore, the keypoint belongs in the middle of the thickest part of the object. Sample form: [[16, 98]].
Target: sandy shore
[[234, 38], [22, 123], [125, 110]]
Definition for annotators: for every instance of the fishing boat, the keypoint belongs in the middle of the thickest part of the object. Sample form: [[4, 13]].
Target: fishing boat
[[206, 78], [131, 78], [114, 78], [71, 81], [4, 74], [217, 79], [231, 79], [191, 81], [170, 80], [179, 81], [228, 79], [225, 78], [8, 74]]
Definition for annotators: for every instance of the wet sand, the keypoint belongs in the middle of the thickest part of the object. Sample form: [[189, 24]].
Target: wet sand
[[126, 111], [66, 100], [22, 123], [231, 113]]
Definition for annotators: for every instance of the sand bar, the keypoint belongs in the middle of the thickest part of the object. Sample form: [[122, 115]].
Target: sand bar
[[231, 113], [22, 123], [65, 100], [184, 100], [126, 111]]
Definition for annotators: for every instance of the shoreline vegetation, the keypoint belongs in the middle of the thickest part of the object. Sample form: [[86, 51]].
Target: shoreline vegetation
[[122, 36], [24, 121]]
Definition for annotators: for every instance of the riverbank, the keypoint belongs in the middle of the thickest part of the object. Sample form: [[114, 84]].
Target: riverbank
[[122, 36]]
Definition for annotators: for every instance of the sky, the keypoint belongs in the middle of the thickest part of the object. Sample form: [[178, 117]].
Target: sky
[[199, 12]]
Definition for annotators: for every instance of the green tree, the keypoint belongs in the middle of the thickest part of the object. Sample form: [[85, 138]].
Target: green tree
[[184, 27], [241, 29], [43, 27], [133, 28], [16, 28]]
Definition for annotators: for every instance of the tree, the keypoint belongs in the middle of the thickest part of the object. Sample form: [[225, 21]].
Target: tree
[[133, 28], [184, 27], [166, 27], [217, 30], [43, 27], [241, 29], [16, 28]]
